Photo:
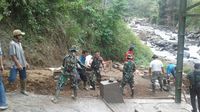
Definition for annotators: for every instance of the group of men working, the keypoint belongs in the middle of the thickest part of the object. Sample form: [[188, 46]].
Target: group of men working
[[156, 69], [71, 69], [85, 68]]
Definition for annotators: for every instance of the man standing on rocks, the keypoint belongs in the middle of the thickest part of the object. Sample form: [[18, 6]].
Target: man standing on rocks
[[156, 70], [20, 64], [194, 78], [3, 103]]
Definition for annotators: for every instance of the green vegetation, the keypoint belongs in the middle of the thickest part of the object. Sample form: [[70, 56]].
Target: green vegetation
[[193, 22], [187, 69], [163, 12], [143, 8], [52, 26]]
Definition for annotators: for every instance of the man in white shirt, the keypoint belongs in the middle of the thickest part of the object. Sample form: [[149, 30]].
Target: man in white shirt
[[156, 70], [88, 61]]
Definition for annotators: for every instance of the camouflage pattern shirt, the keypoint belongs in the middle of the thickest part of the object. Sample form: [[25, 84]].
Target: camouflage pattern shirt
[[70, 63], [128, 69], [96, 63]]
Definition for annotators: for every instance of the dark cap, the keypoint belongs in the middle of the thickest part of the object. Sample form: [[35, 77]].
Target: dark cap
[[154, 56], [73, 49]]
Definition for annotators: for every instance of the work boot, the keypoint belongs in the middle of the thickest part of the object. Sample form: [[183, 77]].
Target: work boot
[[23, 87], [3, 107], [74, 92], [54, 100], [132, 92], [85, 86], [93, 86]]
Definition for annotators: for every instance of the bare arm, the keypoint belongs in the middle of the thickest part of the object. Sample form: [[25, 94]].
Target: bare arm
[[1, 64], [14, 58], [163, 71], [102, 62], [149, 71]]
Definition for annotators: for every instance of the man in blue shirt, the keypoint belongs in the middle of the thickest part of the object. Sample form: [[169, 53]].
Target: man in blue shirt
[[3, 103], [81, 70], [171, 70]]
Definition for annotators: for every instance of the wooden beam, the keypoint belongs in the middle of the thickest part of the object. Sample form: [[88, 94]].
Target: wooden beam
[[192, 15], [192, 6]]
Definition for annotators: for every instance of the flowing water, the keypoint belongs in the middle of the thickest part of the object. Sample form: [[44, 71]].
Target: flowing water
[[167, 36]]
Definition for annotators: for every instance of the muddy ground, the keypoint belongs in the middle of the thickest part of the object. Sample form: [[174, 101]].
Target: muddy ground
[[42, 82]]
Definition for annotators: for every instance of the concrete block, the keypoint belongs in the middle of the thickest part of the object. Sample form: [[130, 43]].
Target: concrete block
[[110, 92]]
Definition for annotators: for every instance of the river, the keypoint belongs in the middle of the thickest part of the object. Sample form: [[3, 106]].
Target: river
[[163, 41]]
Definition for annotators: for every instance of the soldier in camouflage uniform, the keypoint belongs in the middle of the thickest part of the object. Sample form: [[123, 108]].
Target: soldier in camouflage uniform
[[69, 72], [128, 70], [96, 63], [194, 78]]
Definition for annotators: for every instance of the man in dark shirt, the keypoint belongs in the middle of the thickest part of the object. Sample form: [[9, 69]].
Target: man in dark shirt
[[194, 78]]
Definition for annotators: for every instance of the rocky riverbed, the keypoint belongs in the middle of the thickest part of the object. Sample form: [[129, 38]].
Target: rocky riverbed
[[163, 40]]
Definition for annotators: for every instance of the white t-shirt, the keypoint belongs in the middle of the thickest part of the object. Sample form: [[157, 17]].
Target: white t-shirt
[[1, 52], [88, 60], [156, 65]]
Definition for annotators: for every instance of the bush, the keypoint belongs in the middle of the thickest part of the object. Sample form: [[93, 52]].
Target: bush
[[59, 24]]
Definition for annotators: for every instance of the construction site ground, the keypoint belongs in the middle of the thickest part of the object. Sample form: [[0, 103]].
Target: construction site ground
[[41, 87]]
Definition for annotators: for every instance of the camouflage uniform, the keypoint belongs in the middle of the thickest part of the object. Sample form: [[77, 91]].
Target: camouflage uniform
[[128, 70], [95, 66], [69, 72], [92, 78], [70, 65]]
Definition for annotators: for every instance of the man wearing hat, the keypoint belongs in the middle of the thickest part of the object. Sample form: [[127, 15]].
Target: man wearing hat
[[128, 70], [156, 70], [19, 61], [194, 79]]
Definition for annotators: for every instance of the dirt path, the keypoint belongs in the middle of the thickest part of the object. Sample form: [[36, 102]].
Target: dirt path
[[42, 82]]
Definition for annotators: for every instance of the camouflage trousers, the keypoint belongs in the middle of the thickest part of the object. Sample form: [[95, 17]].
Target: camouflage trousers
[[97, 74], [128, 78], [64, 79], [91, 78]]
